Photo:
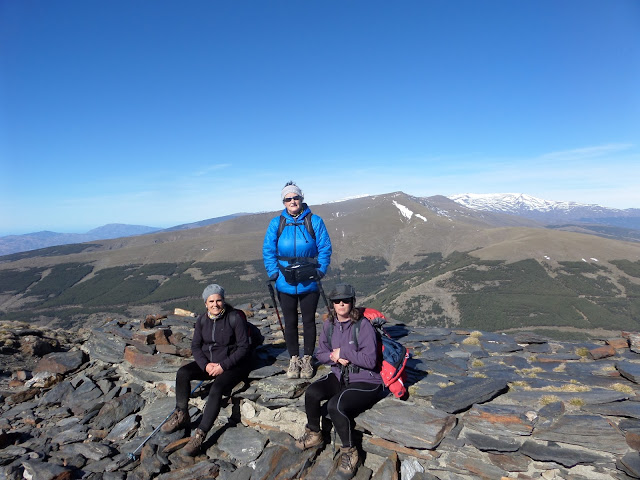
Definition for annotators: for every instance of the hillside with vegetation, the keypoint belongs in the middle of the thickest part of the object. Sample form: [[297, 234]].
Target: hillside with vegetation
[[424, 262]]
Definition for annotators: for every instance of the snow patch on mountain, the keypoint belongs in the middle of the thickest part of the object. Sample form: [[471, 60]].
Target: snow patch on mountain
[[353, 197], [513, 203], [404, 211]]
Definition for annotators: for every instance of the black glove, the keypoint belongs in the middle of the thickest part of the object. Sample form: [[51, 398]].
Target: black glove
[[274, 277], [319, 273]]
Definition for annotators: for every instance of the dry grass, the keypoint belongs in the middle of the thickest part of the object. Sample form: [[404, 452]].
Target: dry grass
[[582, 352], [548, 399], [619, 387], [530, 372], [471, 341]]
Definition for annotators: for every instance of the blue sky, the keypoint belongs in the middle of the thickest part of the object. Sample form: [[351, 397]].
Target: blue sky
[[164, 112]]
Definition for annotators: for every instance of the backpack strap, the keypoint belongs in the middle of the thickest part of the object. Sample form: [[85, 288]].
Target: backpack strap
[[306, 221]]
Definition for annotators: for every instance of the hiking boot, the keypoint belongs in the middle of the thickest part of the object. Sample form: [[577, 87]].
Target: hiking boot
[[348, 461], [306, 369], [195, 442], [294, 367], [309, 439], [178, 419]]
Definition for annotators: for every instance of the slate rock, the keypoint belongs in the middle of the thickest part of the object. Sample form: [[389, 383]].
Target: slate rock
[[589, 431], [124, 428], [468, 461], [37, 470], [500, 420], [417, 427], [618, 409], [105, 347], [602, 352], [61, 362], [629, 370], [553, 453], [490, 443], [117, 409], [630, 464], [460, 397], [91, 450], [242, 444]]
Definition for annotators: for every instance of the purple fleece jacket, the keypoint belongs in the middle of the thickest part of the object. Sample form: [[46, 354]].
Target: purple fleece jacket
[[365, 357]]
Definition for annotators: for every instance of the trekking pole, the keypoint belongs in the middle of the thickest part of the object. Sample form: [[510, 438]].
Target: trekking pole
[[275, 305], [134, 454], [324, 297]]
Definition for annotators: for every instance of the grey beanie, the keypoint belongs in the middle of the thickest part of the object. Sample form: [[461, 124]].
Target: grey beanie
[[290, 188], [212, 289]]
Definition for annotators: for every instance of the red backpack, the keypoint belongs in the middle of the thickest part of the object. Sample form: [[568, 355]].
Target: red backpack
[[394, 354]]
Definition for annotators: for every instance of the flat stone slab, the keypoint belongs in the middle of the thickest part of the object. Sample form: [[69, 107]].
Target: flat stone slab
[[501, 420], [416, 427], [589, 431], [461, 396], [60, 362], [619, 409], [629, 370], [567, 457]]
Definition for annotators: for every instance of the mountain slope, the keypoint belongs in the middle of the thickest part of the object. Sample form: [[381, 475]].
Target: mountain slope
[[424, 260]]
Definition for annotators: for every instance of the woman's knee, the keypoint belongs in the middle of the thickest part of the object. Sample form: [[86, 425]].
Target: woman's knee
[[332, 406]]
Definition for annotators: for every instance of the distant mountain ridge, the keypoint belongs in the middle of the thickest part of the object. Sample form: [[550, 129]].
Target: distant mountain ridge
[[512, 208], [33, 241], [549, 212]]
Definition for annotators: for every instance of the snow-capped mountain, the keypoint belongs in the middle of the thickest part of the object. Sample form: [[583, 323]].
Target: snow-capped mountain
[[548, 211]]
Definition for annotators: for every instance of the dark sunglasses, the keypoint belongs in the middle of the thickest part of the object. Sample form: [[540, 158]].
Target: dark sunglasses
[[343, 300], [288, 199]]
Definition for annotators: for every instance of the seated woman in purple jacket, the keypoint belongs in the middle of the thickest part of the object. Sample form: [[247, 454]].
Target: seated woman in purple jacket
[[220, 348], [354, 384]]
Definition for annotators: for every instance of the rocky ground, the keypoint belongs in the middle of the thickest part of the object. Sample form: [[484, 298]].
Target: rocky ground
[[481, 405]]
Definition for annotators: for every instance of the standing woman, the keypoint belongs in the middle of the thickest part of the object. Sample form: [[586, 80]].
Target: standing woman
[[296, 250], [354, 384], [220, 348]]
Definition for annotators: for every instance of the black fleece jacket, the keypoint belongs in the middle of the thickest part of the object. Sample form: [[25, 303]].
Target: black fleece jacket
[[216, 342]]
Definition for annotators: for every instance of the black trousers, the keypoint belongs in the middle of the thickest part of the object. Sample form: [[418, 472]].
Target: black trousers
[[308, 304], [344, 404], [221, 384]]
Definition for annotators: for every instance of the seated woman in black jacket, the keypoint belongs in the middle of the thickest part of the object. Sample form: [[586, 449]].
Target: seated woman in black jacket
[[221, 352]]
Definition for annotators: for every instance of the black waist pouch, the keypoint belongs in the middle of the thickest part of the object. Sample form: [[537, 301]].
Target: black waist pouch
[[297, 272]]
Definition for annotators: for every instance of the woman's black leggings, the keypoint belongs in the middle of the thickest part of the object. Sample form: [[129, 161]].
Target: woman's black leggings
[[308, 305], [345, 403], [223, 383]]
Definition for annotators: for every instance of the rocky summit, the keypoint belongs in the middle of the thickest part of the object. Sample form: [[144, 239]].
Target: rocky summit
[[87, 405]]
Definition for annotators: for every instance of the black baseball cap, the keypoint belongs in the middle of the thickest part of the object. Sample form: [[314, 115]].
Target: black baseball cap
[[342, 291]]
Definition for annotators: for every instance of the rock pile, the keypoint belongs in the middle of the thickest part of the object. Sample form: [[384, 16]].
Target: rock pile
[[481, 405]]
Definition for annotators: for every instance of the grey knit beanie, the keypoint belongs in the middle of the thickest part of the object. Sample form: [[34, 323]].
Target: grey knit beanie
[[290, 188], [212, 289]]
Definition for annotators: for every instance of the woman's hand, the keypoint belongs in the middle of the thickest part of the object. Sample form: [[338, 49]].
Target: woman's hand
[[334, 356], [214, 369]]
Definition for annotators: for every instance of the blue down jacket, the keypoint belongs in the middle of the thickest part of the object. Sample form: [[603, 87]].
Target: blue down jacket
[[296, 241]]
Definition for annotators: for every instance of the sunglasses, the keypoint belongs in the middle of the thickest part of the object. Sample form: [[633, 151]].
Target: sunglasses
[[289, 199], [336, 301]]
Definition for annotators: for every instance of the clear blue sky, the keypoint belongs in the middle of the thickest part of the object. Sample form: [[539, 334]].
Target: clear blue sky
[[165, 112]]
